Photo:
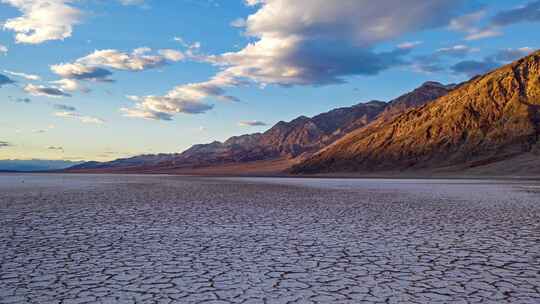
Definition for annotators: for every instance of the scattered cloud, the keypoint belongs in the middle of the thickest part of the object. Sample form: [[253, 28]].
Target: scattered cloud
[[482, 34], [138, 60], [172, 55], [132, 2], [409, 45], [79, 117], [509, 55], [435, 62], [42, 20], [469, 24], [71, 85], [473, 68], [5, 80], [192, 48], [164, 107], [65, 108], [39, 90], [238, 22], [252, 123], [179, 39], [78, 71], [525, 13], [41, 131], [3, 49], [56, 148], [23, 75], [20, 99], [477, 67], [4, 144], [94, 67], [187, 99], [140, 111], [458, 51]]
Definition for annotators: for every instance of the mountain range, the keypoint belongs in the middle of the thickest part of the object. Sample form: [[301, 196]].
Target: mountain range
[[482, 123], [491, 118], [32, 165]]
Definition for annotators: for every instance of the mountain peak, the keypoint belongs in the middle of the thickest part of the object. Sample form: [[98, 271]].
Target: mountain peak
[[432, 84], [488, 119]]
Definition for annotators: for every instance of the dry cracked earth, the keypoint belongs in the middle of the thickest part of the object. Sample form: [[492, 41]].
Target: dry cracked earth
[[165, 239]]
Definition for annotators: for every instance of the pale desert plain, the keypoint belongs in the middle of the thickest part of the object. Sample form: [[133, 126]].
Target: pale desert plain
[[173, 239]]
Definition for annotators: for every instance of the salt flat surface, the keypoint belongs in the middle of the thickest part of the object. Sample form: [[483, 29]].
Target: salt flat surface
[[166, 239]]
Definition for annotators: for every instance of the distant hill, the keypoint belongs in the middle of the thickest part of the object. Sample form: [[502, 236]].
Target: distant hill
[[491, 119], [293, 140], [14, 165]]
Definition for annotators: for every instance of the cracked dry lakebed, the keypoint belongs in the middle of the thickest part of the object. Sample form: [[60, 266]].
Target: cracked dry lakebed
[[172, 239]]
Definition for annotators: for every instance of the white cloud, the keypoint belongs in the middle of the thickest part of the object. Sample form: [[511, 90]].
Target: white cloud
[[468, 22], [238, 22], [71, 85], [133, 98], [23, 75], [409, 44], [508, 55], [434, 62], [252, 123], [132, 2], [39, 90], [42, 20], [482, 34], [188, 99], [469, 25], [138, 60], [306, 42], [172, 55], [79, 117], [529, 12], [81, 72], [192, 49], [459, 50], [3, 49], [93, 67], [164, 107], [321, 42]]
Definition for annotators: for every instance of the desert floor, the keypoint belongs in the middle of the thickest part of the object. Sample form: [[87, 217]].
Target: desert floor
[[172, 239]]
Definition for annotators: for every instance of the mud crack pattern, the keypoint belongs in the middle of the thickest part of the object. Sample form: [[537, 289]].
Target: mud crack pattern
[[133, 239]]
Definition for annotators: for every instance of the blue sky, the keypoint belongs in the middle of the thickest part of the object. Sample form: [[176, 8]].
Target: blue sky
[[95, 79]]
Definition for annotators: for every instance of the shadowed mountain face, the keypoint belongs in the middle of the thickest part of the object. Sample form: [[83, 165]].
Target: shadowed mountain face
[[298, 138], [488, 119], [140, 160]]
